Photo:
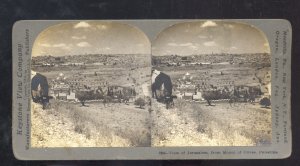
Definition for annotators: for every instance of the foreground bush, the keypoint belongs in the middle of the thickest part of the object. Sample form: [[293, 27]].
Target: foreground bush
[[266, 102], [140, 102]]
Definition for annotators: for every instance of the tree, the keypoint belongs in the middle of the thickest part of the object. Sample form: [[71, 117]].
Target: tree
[[208, 96], [212, 95], [140, 102], [106, 100], [98, 96], [83, 96], [266, 102]]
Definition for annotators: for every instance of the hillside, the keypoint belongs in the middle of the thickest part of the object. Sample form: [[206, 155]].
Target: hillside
[[195, 124], [69, 125]]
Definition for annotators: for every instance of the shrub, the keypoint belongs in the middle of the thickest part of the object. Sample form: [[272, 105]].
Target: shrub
[[140, 102], [266, 102], [210, 95], [84, 95]]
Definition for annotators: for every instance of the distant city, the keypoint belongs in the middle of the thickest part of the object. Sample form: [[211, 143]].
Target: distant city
[[88, 59], [103, 74], [225, 73], [261, 58], [194, 74]]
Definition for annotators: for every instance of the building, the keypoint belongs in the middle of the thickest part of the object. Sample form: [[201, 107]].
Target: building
[[186, 60], [60, 88], [71, 97], [61, 96], [198, 96], [188, 96]]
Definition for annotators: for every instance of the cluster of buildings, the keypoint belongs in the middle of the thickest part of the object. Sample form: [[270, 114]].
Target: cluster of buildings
[[63, 88], [192, 87], [90, 60], [176, 60], [131, 82], [241, 80], [92, 72]]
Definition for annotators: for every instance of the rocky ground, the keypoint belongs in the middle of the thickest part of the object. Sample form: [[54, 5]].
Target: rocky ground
[[195, 124], [120, 125], [70, 125]]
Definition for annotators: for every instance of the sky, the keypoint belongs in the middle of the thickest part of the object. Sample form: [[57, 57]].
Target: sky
[[91, 37], [207, 37]]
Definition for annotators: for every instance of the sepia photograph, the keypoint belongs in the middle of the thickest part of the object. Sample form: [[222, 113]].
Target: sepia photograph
[[91, 86], [211, 85], [204, 83], [151, 89]]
